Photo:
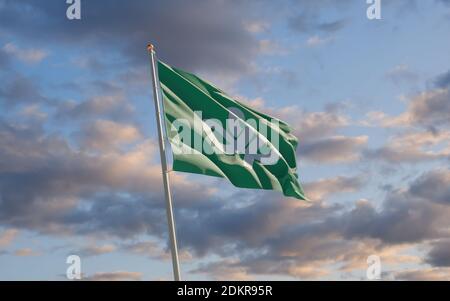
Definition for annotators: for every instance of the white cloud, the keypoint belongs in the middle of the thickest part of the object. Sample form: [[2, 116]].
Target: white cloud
[[115, 276], [413, 146], [430, 274], [25, 252], [26, 55], [315, 41], [96, 250], [402, 73], [429, 108], [7, 236], [256, 26]]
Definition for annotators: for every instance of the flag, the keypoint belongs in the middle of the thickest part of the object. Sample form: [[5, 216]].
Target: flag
[[213, 134]]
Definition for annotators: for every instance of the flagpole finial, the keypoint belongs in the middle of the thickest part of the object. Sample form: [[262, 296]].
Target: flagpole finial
[[150, 47]]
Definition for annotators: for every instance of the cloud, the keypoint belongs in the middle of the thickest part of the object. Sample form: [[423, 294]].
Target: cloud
[[33, 113], [439, 256], [19, 89], [317, 132], [118, 193], [430, 108], [153, 250], [271, 47], [315, 41], [434, 185], [401, 74], [257, 26], [401, 220], [413, 146], [422, 129], [318, 141], [224, 270], [309, 257], [96, 250], [56, 176], [312, 238], [335, 149], [192, 37], [106, 134], [25, 252], [27, 55], [427, 109], [307, 22], [113, 106], [307, 125], [434, 274], [323, 188], [314, 125], [90, 63], [443, 80], [68, 190], [313, 16], [146, 248], [115, 276], [97, 176], [7, 236]]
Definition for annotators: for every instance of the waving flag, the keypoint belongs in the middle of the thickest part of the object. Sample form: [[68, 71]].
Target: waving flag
[[216, 135]]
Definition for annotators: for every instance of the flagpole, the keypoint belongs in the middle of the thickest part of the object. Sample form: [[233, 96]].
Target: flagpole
[[165, 170]]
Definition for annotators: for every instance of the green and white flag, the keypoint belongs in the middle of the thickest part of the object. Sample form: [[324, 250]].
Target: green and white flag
[[213, 134]]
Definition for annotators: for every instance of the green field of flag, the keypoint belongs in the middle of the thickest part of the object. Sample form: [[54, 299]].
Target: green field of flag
[[184, 95]]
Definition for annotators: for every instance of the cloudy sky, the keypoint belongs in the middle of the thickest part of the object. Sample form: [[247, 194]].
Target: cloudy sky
[[369, 101]]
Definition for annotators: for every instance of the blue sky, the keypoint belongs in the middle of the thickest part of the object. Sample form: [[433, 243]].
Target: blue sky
[[368, 99]]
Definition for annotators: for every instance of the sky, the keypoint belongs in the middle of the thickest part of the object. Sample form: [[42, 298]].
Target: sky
[[369, 101]]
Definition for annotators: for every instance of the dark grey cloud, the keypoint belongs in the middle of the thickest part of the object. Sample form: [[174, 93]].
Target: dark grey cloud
[[114, 107], [322, 189], [117, 216], [47, 186], [433, 274], [434, 186], [413, 215], [329, 235], [89, 251], [402, 74], [305, 24], [232, 231], [115, 276], [397, 155], [326, 236], [19, 89], [333, 149], [309, 16], [431, 108], [208, 35], [319, 138], [400, 221], [443, 80], [439, 255]]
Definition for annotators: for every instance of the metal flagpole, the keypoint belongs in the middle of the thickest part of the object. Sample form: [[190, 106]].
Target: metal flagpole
[[165, 171]]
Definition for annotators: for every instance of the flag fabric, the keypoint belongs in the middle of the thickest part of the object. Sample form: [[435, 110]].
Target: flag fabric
[[213, 134]]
